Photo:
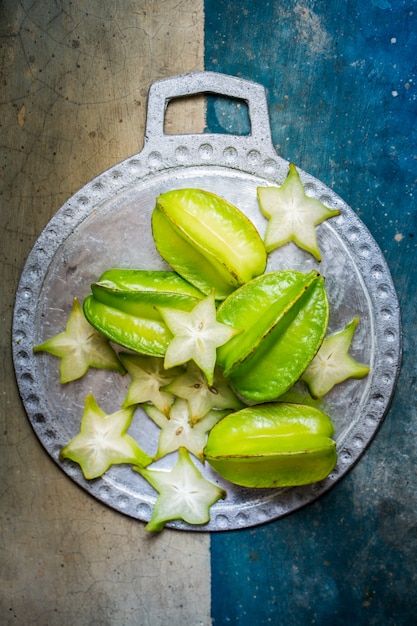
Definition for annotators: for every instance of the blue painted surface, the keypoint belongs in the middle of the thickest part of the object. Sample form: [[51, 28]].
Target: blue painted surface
[[342, 91]]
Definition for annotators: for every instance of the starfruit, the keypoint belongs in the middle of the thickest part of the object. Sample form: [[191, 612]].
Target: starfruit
[[333, 364], [201, 397], [103, 441], [292, 215], [207, 240], [141, 292], [80, 347], [273, 445], [183, 493], [148, 378], [177, 429], [284, 317], [196, 336], [124, 307]]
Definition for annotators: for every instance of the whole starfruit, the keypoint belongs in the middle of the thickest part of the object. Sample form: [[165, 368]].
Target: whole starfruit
[[284, 317], [273, 445], [207, 240]]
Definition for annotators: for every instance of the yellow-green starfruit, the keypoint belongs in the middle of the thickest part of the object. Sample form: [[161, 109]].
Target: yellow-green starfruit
[[103, 441], [196, 336], [273, 445], [284, 317], [183, 493], [207, 240], [125, 307]]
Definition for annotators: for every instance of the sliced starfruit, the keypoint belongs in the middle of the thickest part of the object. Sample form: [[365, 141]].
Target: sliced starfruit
[[177, 429], [292, 215], [196, 336], [201, 397], [148, 375], [273, 445], [333, 364], [103, 441], [284, 315], [184, 494], [207, 240], [80, 347], [124, 306]]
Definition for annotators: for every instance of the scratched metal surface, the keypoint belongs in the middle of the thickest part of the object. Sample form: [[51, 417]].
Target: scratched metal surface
[[88, 235]]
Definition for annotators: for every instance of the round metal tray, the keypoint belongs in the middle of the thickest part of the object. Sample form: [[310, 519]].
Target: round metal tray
[[107, 224]]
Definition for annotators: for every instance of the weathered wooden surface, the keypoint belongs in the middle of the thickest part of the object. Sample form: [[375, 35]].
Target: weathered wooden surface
[[75, 77]]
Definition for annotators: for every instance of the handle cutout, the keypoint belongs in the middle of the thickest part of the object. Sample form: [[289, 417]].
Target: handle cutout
[[185, 115], [226, 115], [209, 112]]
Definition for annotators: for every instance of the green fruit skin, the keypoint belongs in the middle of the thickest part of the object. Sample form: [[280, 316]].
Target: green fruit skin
[[291, 469], [207, 240], [145, 336], [124, 307], [133, 280], [196, 264], [141, 292], [258, 307], [286, 342], [142, 304], [273, 445]]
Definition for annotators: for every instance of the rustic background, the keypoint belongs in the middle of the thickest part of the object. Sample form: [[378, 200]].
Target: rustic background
[[75, 78], [341, 85], [341, 82]]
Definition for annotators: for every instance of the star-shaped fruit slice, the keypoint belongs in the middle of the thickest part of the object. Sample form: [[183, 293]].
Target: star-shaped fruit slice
[[103, 441], [201, 397], [293, 216], [333, 364], [184, 494], [80, 347], [196, 336], [177, 430], [148, 376]]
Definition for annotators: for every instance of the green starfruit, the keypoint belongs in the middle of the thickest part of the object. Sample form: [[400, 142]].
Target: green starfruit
[[201, 397], [178, 431], [142, 335], [196, 336], [207, 240], [148, 376], [284, 316], [273, 445], [141, 292], [125, 307]]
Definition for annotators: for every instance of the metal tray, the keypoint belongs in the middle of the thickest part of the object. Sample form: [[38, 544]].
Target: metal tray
[[107, 224]]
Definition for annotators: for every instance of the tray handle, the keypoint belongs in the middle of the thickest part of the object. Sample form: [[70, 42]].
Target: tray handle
[[161, 92]]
